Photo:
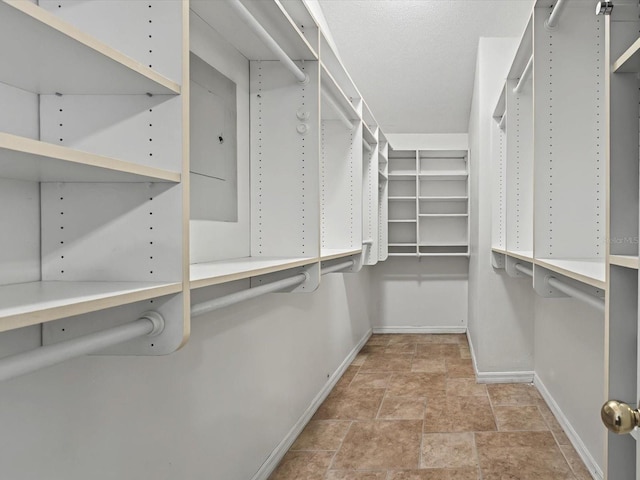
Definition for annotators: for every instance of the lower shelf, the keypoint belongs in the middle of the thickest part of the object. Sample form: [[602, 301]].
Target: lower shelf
[[223, 271], [32, 303], [628, 261]]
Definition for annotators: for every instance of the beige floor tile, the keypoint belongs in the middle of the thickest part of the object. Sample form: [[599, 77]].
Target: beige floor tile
[[519, 418], [575, 462], [429, 365], [458, 414], [352, 404], [347, 377], [303, 466], [416, 384], [401, 348], [368, 349], [322, 435], [380, 445], [465, 352], [378, 339], [513, 394], [436, 474], [438, 351], [457, 338], [402, 408], [465, 387], [359, 360], [521, 455], [448, 450], [387, 363], [371, 380], [353, 475], [406, 338], [459, 368]]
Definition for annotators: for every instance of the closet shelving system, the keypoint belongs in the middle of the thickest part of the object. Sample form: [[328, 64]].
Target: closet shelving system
[[567, 214], [428, 203], [183, 147]]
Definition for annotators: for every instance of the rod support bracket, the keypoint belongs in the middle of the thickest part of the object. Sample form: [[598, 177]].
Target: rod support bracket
[[156, 319], [306, 80], [604, 8]]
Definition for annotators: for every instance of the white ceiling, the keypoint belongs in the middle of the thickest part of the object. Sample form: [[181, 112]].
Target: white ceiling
[[414, 60]]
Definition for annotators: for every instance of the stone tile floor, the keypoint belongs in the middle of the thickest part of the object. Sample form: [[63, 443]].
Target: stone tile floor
[[409, 408]]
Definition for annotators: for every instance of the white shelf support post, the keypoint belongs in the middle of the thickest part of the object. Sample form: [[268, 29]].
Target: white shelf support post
[[595, 302], [268, 40], [526, 73], [338, 109], [238, 297], [558, 8], [149, 324]]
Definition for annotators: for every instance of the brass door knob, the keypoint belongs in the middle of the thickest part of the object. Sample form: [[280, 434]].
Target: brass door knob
[[619, 417]]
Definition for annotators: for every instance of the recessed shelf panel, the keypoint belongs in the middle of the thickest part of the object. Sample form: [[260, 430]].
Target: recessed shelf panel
[[43, 54], [629, 61], [333, 253], [31, 303], [587, 270], [628, 261], [222, 271], [26, 159]]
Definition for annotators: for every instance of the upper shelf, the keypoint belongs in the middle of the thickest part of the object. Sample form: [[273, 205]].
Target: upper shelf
[[628, 261], [629, 61], [43, 54], [334, 253], [444, 175], [26, 159], [222, 271]]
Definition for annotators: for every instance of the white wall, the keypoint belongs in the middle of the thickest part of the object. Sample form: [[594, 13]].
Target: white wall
[[500, 308], [215, 410], [426, 295]]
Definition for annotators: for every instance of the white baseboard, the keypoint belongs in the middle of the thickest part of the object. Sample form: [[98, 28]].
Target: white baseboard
[[274, 458], [419, 329], [575, 440], [498, 377]]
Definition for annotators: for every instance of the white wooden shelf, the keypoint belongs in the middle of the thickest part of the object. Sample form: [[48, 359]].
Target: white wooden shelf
[[452, 244], [391, 254], [402, 176], [526, 255], [444, 254], [451, 175], [402, 220], [436, 215], [333, 253], [412, 244], [444, 199], [585, 270], [43, 54], [628, 261], [223, 271], [629, 61], [26, 159], [402, 199], [31, 303]]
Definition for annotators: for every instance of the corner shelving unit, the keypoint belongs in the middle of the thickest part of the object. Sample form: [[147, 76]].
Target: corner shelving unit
[[403, 209]]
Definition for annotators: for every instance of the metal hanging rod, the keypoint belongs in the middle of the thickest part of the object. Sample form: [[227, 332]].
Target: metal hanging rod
[[526, 73], [366, 146], [524, 269], [552, 21], [503, 120], [343, 117], [338, 267], [233, 298], [149, 324], [268, 40], [576, 293]]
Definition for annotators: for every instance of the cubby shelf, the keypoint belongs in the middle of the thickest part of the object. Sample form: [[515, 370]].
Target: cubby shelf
[[444, 199], [43, 54], [402, 220], [585, 270], [402, 176], [453, 175], [222, 271], [26, 159], [333, 253], [402, 199], [629, 61], [31, 303], [437, 215], [628, 261]]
